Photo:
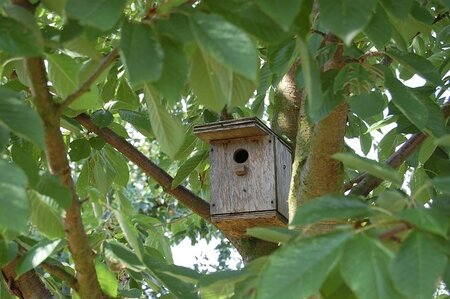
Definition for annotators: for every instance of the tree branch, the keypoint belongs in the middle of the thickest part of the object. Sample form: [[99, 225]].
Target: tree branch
[[366, 183], [391, 233], [59, 165], [27, 286], [107, 61], [62, 274], [184, 195]]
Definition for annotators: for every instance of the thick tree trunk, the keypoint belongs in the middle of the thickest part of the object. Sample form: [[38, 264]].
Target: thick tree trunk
[[288, 99], [315, 172]]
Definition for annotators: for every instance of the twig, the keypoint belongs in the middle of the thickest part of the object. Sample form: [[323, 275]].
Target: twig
[[318, 32], [107, 61], [367, 183], [440, 17], [368, 55], [391, 233], [62, 274], [349, 184], [184, 195]]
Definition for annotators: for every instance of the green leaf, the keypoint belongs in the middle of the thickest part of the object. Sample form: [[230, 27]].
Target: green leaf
[[417, 64], [442, 184], [141, 53], [429, 220], [45, 216], [249, 17], [97, 143], [372, 167], [210, 81], [55, 5], [272, 234], [138, 120], [102, 118], [12, 175], [119, 165], [63, 72], [346, 18], [168, 130], [283, 13], [118, 252], [367, 105], [174, 72], [419, 185], [298, 269], [399, 8], [311, 75], [426, 149], [180, 281], [418, 266], [364, 267], [15, 209], [330, 207], [101, 14], [18, 39], [107, 280], [406, 102], [79, 149], [8, 251], [51, 186], [188, 166], [131, 234], [220, 283], [24, 155], [18, 117], [36, 255], [4, 138], [226, 43], [379, 29]]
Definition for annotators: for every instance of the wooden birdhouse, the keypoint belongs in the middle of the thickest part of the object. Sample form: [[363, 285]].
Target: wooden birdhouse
[[250, 175]]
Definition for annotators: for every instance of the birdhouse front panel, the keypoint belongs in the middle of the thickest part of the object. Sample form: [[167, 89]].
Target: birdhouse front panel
[[243, 176]]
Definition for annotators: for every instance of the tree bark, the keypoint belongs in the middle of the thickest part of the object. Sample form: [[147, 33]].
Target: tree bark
[[315, 172], [59, 165], [288, 98], [27, 286]]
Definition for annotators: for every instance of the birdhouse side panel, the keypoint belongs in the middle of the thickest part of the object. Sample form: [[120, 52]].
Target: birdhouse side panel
[[243, 175], [283, 161]]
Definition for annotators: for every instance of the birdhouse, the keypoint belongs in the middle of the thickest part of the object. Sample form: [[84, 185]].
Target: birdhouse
[[250, 175]]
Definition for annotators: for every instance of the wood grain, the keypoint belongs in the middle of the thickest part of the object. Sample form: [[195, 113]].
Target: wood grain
[[254, 191], [283, 166]]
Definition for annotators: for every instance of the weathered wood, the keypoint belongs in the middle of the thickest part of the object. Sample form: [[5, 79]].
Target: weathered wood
[[235, 225], [250, 175], [283, 165], [254, 191], [229, 129]]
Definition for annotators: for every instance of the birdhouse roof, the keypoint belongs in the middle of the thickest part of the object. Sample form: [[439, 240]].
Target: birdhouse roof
[[231, 129]]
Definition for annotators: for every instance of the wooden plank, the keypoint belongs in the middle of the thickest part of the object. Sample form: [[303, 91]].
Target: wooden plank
[[232, 192], [235, 225], [230, 129], [283, 166]]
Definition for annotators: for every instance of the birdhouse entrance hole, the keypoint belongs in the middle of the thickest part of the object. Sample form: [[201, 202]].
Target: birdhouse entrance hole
[[240, 156]]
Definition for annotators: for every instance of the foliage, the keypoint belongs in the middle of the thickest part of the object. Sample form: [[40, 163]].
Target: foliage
[[182, 63]]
